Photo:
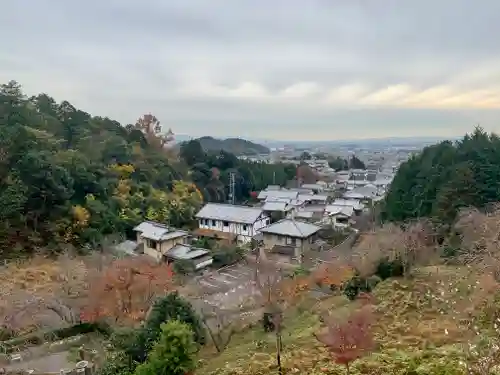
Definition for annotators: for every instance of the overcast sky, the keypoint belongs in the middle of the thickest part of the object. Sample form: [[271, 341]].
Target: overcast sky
[[278, 69]]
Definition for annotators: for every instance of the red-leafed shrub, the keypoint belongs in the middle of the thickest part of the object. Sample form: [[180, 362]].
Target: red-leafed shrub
[[349, 339]]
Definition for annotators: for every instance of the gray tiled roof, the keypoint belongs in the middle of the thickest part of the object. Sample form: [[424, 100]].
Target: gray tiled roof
[[344, 210], [305, 214], [312, 186], [315, 197], [186, 252], [367, 191], [275, 206], [229, 212], [292, 228], [264, 194], [356, 205], [158, 232], [274, 199]]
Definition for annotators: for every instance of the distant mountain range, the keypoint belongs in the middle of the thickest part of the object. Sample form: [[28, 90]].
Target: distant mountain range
[[265, 144], [236, 146]]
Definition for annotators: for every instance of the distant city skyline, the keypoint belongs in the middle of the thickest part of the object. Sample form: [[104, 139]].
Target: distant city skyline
[[281, 70]]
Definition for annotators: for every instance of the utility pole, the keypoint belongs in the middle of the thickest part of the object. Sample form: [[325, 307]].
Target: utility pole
[[232, 186], [274, 178]]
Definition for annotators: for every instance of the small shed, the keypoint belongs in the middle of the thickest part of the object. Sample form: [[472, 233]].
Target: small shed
[[200, 258]]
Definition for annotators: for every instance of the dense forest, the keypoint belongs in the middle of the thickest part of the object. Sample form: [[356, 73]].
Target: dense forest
[[210, 171], [446, 177], [71, 179]]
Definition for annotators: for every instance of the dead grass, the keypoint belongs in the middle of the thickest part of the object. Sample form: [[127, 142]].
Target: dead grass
[[414, 330], [64, 279]]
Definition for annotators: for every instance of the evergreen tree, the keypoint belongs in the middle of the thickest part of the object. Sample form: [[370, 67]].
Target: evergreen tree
[[445, 178], [173, 354]]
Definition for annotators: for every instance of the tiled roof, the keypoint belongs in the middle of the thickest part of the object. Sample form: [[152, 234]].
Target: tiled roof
[[348, 202], [158, 232], [353, 195], [315, 197], [229, 212], [186, 252], [344, 210], [275, 206], [292, 228], [304, 214], [281, 200], [312, 186], [264, 194]]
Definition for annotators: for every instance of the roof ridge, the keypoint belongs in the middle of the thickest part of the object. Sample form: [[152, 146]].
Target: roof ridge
[[296, 226], [231, 205]]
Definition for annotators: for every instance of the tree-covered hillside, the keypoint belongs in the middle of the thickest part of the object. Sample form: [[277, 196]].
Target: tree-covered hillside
[[445, 178], [69, 178], [210, 171], [236, 146]]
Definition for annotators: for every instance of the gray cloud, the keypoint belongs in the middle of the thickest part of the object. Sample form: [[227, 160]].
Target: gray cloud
[[339, 69]]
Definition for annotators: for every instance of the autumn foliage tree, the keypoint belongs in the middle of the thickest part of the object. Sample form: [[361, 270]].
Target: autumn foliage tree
[[350, 339], [151, 128], [332, 274], [126, 289]]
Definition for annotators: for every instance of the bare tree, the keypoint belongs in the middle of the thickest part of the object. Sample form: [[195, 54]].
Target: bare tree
[[414, 244], [277, 293], [480, 235], [220, 325], [41, 292]]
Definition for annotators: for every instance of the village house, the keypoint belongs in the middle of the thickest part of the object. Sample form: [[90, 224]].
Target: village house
[[277, 209], [356, 205], [198, 257], [313, 198], [339, 217], [274, 193], [289, 237], [155, 239], [366, 193], [230, 222], [316, 188]]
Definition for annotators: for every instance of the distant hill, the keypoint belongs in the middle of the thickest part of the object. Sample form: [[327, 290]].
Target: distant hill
[[235, 146]]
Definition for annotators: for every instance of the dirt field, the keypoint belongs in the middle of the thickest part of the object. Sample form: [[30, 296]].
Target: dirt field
[[229, 288]]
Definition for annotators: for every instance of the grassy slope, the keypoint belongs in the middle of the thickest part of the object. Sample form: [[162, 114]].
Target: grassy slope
[[410, 333]]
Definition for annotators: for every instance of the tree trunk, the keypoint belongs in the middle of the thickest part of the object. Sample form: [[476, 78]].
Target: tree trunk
[[278, 352], [348, 369], [215, 339]]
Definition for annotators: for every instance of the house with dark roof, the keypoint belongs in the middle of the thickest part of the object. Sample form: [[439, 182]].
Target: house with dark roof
[[230, 222], [290, 237], [156, 239]]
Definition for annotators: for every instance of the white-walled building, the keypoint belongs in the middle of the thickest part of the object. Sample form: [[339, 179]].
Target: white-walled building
[[156, 239], [339, 216], [241, 222]]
